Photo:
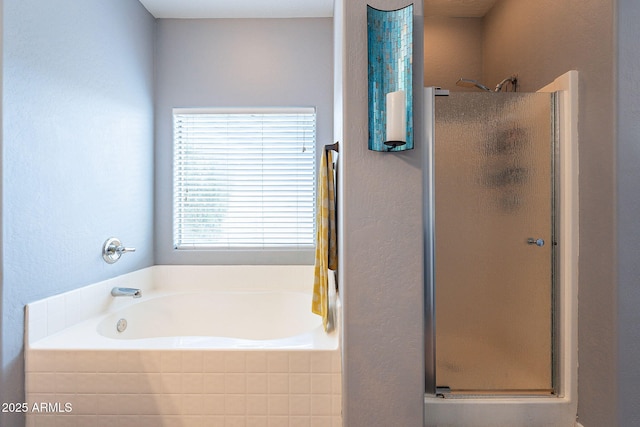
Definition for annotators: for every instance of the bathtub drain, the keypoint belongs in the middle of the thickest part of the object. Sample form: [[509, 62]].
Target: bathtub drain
[[121, 325]]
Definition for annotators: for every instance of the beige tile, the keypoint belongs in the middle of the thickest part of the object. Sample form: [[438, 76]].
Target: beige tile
[[65, 382], [192, 404], [235, 404], [103, 361], [297, 421], [300, 404], [192, 383], [213, 421], [336, 384], [257, 404], [336, 405], [213, 361], [86, 361], [41, 361], [214, 383], [66, 361], [65, 421], [108, 420], [84, 404], [257, 421], [300, 383], [234, 361], [278, 404], [168, 404], [85, 420], [131, 382], [139, 421], [107, 383], [129, 361], [192, 361], [171, 361], [171, 383], [320, 404], [278, 361], [234, 421], [321, 362], [256, 362], [278, 383], [336, 362], [321, 383], [321, 421], [108, 404], [40, 382], [275, 421], [235, 383], [213, 404], [299, 361], [257, 383], [151, 361]]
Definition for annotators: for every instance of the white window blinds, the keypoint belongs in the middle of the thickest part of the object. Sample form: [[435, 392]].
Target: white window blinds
[[244, 178]]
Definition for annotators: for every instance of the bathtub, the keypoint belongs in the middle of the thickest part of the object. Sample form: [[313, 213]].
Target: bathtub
[[205, 345]]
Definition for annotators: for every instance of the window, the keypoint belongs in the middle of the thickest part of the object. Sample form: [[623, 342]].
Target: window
[[244, 178]]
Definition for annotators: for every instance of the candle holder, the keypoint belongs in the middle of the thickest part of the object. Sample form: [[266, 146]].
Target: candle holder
[[390, 59]]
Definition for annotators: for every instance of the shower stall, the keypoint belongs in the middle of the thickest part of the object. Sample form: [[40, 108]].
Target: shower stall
[[494, 242], [494, 292]]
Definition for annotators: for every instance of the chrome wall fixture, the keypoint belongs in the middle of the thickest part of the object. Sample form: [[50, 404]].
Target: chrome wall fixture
[[126, 292], [390, 61], [113, 249]]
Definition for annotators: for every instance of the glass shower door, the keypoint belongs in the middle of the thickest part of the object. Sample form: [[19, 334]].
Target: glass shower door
[[493, 156]]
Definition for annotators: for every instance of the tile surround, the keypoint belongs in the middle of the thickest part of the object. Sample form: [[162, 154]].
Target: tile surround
[[188, 387]]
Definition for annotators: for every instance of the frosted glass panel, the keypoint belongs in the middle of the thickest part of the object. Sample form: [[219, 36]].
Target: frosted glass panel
[[493, 288]]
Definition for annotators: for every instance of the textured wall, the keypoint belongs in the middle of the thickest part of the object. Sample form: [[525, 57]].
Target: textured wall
[[452, 49], [77, 153], [540, 41], [236, 63], [628, 206], [382, 263]]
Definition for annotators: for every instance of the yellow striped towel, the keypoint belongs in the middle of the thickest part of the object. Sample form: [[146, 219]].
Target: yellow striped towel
[[326, 252]]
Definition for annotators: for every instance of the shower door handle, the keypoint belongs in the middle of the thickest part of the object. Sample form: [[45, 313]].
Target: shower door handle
[[537, 242]]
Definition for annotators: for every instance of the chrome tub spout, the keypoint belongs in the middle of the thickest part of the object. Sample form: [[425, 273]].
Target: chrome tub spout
[[126, 292]]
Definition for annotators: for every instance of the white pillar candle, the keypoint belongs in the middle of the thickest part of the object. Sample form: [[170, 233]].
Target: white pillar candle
[[397, 116]]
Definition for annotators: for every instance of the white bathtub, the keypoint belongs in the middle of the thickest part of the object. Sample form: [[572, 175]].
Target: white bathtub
[[217, 319], [216, 307], [220, 345]]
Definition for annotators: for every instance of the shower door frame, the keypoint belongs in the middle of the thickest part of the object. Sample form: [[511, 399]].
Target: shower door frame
[[561, 408]]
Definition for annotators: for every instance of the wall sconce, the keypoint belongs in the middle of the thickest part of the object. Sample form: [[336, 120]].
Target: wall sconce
[[390, 54]]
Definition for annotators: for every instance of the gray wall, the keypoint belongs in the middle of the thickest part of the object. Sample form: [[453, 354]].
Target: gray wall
[[628, 207], [77, 153], [236, 63], [2, 346], [540, 41], [382, 261]]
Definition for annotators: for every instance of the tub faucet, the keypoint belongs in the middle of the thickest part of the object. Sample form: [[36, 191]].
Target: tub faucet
[[112, 250], [126, 292]]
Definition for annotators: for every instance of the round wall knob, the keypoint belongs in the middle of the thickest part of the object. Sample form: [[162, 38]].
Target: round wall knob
[[537, 242]]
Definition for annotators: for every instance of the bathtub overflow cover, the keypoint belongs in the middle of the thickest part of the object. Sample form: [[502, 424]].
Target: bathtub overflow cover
[[121, 325]]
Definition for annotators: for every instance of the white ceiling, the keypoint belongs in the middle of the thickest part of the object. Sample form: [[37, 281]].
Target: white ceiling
[[293, 8], [239, 8]]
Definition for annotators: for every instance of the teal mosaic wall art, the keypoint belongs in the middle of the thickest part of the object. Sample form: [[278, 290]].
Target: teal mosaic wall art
[[390, 54]]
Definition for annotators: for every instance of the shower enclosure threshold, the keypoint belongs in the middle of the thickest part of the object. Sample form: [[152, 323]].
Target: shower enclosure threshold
[[445, 393], [498, 411]]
